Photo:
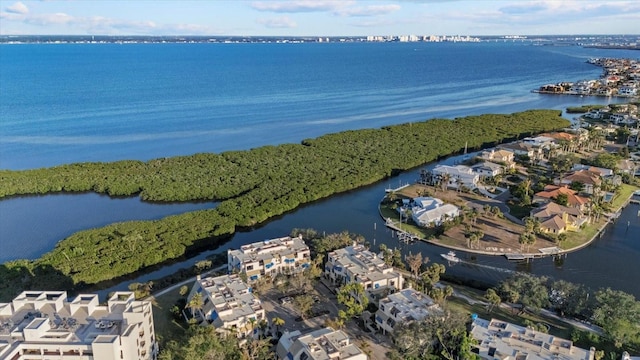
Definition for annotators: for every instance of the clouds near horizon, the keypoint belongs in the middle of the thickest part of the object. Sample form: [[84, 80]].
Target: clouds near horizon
[[320, 17]]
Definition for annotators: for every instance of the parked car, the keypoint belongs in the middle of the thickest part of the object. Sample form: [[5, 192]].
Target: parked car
[[286, 300]]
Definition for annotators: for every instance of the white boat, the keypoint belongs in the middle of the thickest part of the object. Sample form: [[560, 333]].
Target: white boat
[[450, 256]]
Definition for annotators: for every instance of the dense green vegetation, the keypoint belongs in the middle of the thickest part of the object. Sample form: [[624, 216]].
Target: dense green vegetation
[[252, 187], [583, 109]]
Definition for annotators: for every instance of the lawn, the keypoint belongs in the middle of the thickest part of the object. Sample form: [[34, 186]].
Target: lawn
[[622, 196], [166, 327]]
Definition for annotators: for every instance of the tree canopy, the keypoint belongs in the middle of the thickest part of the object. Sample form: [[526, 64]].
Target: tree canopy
[[251, 186]]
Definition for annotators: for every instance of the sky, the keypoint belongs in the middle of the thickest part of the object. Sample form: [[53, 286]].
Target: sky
[[318, 17]]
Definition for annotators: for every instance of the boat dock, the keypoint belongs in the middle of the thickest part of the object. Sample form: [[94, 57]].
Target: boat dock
[[390, 190]]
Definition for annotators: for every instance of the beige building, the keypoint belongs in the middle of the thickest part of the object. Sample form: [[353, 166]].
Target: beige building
[[321, 344], [402, 307], [46, 325], [357, 264], [502, 340], [282, 255], [228, 304]]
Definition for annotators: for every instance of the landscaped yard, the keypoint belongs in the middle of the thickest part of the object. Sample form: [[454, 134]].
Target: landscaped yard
[[622, 196], [166, 327]]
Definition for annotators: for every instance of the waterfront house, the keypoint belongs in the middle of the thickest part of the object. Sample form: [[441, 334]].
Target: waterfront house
[[321, 344], [588, 178], [556, 219], [227, 303], [459, 175], [269, 257], [47, 325], [428, 211], [497, 339], [357, 264], [402, 307], [551, 192], [543, 142], [501, 156], [627, 90], [521, 149], [488, 169]]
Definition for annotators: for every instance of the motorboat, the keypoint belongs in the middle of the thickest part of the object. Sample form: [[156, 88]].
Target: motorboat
[[450, 256]]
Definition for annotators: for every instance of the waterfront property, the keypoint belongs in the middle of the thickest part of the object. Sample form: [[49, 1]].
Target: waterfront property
[[500, 156], [227, 303], [321, 344], [502, 340], [402, 307], [47, 325], [588, 178], [488, 169], [556, 219], [552, 192], [281, 255], [357, 264], [457, 176], [429, 211]]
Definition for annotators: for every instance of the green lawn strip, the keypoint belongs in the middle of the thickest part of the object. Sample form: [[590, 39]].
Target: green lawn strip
[[585, 234], [622, 196], [166, 327]]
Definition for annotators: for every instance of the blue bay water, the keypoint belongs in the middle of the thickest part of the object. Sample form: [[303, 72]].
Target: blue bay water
[[86, 102], [70, 103]]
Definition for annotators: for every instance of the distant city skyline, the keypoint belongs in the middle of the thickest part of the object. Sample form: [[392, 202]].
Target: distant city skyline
[[319, 17]]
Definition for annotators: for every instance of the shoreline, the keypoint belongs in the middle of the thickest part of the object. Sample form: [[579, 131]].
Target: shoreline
[[521, 255]]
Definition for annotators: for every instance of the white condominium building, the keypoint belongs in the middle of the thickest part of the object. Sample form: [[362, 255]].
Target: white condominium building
[[357, 264], [500, 340], [228, 304], [282, 255], [46, 325], [321, 344], [402, 307]]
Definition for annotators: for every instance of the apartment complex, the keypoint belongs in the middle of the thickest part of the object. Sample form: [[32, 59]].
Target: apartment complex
[[402, 307], [47, 325], [357, 264], [500, 340], [282, 255], [321, 344], [227, 303]]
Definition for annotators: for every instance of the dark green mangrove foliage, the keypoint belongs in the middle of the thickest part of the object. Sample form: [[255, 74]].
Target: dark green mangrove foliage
[[252, 187]]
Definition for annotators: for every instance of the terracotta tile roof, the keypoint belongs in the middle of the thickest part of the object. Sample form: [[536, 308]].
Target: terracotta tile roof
[[552, 191], [560, 136], [584, 176]]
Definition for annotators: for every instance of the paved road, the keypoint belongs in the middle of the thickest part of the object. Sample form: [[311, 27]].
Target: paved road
[[185, 282]]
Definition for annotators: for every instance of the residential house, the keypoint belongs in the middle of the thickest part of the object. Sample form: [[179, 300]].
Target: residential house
[[627, 90], [357, 264], [551, 192], [402, 307], [487, 169], [459, 175], [543, 142], [521, 149], [589, 178], [603, 172], [501, 156], [47, 325], [556, 219], [228, 304], [281, 255], [321, 344], [499, 339], [428, 211]]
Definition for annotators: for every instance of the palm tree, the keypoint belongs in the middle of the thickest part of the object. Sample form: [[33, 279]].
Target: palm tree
[[493, 298], [195, 304], [444, 181], [277, 321]]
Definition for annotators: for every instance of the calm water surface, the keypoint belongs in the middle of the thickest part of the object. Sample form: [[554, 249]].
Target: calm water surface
[[71, 103]]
